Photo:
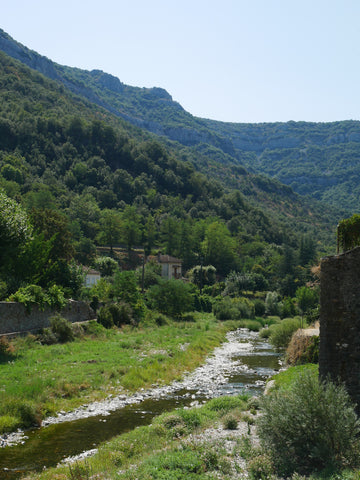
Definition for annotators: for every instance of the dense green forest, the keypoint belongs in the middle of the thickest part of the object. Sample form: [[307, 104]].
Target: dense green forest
[[317, 159], [75, 178]]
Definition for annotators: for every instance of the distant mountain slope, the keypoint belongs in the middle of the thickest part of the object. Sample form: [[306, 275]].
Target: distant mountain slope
[[318, 159]]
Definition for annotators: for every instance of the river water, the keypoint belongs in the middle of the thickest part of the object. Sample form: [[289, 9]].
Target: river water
[[240, 365]]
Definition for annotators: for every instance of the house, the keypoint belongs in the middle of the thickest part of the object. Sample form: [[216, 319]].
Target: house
[[91, 277], [171, 267]]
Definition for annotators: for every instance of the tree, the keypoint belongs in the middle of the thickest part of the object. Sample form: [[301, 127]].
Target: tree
[[125, 287], [172, 297], [131, 231], [170, 234], [307, 252], [348, 233], [272, 306], [219, 248], [107, 266], [202, 275], [306, 298], [54, 225], [15, 228], [149, 234], [111, 228]]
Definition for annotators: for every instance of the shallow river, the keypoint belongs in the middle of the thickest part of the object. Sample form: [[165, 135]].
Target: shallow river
[[242, 364]]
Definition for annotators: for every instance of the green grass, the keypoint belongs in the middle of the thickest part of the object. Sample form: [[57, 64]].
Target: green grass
[[159, 451], [49, 378], [284, 380]]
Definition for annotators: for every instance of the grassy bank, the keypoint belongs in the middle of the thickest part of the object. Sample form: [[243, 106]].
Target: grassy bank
[[216, 441], [171, 448], [39, 380]]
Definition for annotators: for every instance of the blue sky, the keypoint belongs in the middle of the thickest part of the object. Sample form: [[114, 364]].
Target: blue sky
[[230, 60]]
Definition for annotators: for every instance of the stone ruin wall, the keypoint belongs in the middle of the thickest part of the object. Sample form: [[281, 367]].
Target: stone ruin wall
[[339, 354], [15, 319]]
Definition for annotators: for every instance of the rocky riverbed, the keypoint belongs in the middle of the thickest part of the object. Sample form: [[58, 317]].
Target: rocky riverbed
[[209, 380]]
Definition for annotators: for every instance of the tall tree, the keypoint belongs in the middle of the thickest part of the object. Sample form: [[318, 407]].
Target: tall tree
[[131, 227], [219, 248], [111, 228], [15, 228]]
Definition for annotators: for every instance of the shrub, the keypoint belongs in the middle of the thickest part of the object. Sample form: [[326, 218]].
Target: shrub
[[171, 297], [6, 348], [272, 306], [106, 266], [312, 425], [161, 320], [252, 325], [188, 317], [122, 313], [233, 308], [47, 337], [29, 296], [260, 467], [281, 333], [259, 306], [62, 329], [35, 295], [230, 422], [202, 303], [8, 423], [55, 298], [26, 412], [105, 318]]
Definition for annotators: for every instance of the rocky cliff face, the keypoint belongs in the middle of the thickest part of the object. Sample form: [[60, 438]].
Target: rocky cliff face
[[28, 57]]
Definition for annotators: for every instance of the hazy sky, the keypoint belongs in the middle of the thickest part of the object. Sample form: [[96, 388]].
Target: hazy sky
[[231, 60]]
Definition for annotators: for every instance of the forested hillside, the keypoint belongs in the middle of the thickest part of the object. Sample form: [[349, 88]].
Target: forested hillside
[[317, 159], [92, 179]]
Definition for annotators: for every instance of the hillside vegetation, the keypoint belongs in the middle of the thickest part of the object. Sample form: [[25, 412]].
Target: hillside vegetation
[[93, 179], [316, 159]]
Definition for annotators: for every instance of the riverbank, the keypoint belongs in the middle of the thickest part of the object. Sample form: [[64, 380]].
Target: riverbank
[[208, 380], [38, 381], [212, 439]]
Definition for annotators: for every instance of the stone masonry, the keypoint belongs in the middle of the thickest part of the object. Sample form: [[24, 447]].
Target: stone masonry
[[15, 319], [340, 321]]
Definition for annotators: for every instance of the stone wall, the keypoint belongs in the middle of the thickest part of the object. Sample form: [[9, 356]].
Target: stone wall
[[15, 319], [340, 321]]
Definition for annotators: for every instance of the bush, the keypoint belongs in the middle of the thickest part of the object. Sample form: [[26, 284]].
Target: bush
[[26, 412], [272, 305], [55, 298], [105, 318], [202, 303], [60, 331], [230, 422], [161, 320], [122, 313], [171, 297], [281, 333], [260, 467], [259, 306], [35, 295], [29, 296], [233, 308], [310, 426], [62, 328]]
